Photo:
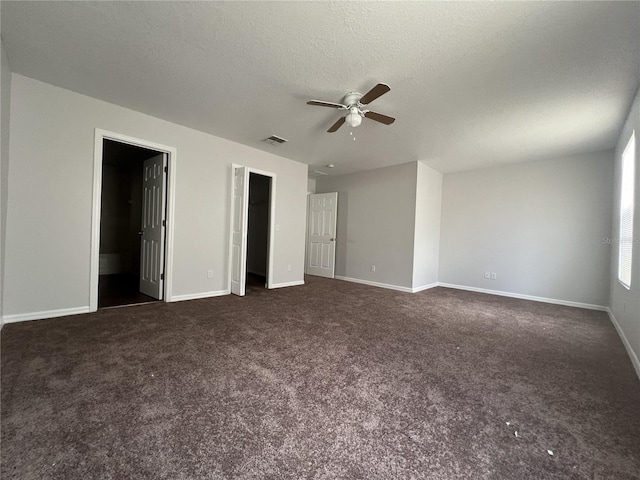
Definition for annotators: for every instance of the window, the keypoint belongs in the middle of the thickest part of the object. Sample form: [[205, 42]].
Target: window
[[625, 241]]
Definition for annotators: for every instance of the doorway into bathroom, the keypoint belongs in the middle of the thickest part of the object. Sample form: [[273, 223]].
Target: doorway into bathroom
[[132, 217]]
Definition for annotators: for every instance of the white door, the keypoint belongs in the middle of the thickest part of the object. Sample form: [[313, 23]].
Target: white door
[[323, 209], [153, 219], [239, 230]]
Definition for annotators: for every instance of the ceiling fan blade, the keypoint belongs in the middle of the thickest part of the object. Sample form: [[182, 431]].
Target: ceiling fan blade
[[336, 125], [375, 92], [378, 117], [320, 103]]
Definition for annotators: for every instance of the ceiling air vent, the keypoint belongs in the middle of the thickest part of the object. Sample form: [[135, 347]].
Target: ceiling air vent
[[275, 140]]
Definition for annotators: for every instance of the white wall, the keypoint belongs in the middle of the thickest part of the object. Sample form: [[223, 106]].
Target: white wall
[[49, 205], [426, 251], [538, 225], [625, 304], [5, 98], [311, 185], [376, 216]]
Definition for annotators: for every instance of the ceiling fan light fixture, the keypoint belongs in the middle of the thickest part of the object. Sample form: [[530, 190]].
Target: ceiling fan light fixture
[[353, 119]]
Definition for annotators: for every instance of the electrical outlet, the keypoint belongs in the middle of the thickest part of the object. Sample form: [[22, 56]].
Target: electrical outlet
[[373, 268], [487, 275], [288, 268], [209, 273], [493, 275]]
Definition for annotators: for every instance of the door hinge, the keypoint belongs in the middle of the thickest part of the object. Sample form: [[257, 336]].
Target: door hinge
[[165, 170], [162, 276], [164, 223]]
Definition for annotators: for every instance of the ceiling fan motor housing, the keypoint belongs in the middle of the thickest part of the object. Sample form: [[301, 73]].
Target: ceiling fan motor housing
[[352, 99]]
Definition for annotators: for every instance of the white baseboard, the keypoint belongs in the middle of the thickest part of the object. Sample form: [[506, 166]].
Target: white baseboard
[[63, 312], [555, 301], [375, 284], [196, 296], [425, 287], [632, 355], [388, 285], [288, 284]]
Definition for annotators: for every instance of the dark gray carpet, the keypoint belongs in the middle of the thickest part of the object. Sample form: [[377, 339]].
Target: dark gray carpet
[[330, 380]]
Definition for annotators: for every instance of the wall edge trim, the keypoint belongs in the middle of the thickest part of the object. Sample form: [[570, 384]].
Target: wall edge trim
[[375, 284], [44, 314], [287, 284], [196, 296], [425, 287], [632, 355], [555, 301]]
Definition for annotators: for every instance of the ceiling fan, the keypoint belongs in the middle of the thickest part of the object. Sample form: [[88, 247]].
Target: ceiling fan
[[354, 103]]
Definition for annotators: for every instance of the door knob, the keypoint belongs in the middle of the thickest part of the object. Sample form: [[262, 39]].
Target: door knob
[[140, 232], [332, 239]]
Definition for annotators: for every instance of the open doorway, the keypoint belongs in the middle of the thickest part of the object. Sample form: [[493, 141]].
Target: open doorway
[[132, 217], [258, 231], [253, 195]]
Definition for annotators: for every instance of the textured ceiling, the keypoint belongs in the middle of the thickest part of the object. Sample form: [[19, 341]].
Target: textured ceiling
[[473, 84]]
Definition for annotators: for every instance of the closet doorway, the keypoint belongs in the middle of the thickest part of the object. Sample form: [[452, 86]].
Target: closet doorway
[[252, 230], [258, 230]]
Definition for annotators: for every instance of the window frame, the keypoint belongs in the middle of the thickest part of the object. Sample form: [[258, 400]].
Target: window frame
[[627, 193]]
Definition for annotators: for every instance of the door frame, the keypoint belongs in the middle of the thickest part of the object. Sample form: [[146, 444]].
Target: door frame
[[171, 152], [272, 224]]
